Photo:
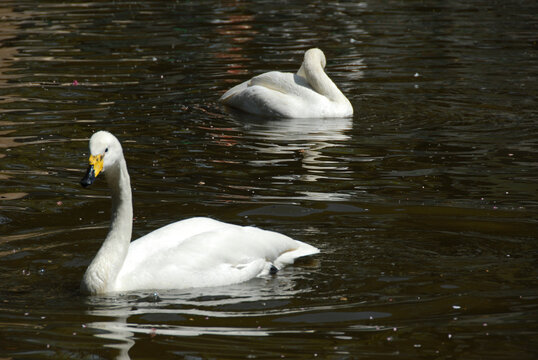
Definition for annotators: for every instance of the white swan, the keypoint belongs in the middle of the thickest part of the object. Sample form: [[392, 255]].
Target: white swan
[[308, 94], [196, 252]]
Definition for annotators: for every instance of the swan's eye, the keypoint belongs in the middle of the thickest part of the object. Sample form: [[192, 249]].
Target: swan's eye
[[106, 150]]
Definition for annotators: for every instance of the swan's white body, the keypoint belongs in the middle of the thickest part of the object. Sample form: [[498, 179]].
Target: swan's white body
[[309, 93], [196, 252]]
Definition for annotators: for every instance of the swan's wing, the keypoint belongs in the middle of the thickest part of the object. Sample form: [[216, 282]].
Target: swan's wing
[[226, 255], [185, 274], [237, 89], [276, 94], [166, 238], [286, 83]]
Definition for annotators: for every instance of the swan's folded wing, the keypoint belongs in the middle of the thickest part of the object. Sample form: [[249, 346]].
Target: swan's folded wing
[[227, 255], [286, 83], [289, 257], [237, 89], [277, 94], [167, 238]]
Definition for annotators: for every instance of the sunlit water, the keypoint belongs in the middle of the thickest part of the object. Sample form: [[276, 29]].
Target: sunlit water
[[424, 204]]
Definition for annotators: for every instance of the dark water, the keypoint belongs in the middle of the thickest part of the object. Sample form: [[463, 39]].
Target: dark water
[[424, 204]]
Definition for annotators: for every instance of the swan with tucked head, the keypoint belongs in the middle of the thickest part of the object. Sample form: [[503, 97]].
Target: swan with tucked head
[[195, 252], [309, 93]]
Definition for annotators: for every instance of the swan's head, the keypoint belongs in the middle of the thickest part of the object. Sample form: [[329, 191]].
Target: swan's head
[[105, 153], [316, 54]]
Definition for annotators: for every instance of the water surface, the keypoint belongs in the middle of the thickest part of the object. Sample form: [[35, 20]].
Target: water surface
[[424, 204]]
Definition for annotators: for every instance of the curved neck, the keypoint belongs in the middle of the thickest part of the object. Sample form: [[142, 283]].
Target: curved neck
[[312, 71], [104, 268]]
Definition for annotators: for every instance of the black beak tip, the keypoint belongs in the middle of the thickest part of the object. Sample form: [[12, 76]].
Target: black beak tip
[[85, 183], [89, 178]]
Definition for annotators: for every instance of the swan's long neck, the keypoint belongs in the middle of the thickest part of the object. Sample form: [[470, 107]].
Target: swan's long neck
[[312, 71], [103, 270]]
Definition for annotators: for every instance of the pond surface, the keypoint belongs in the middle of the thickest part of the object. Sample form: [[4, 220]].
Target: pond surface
[[424, 204]]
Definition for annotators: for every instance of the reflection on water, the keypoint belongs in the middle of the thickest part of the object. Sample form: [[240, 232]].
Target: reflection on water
[[195, 312], [303, 141], [243, 299], [423, 204], [298, 150]]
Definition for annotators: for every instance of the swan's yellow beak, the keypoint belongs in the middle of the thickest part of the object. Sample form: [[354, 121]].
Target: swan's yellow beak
[[97, 162], [96, 166]]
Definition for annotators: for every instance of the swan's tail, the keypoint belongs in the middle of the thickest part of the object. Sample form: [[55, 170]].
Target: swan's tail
[[290, 256]]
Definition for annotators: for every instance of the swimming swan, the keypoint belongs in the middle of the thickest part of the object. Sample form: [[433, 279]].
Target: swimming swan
[[196, 252], [308, 94]]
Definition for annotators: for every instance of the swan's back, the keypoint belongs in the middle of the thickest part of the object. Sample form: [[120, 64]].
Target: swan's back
[[201, 252], [273, 94]]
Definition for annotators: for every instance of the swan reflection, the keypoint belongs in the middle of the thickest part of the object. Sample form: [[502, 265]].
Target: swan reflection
[[193, 312], [311, 142]]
